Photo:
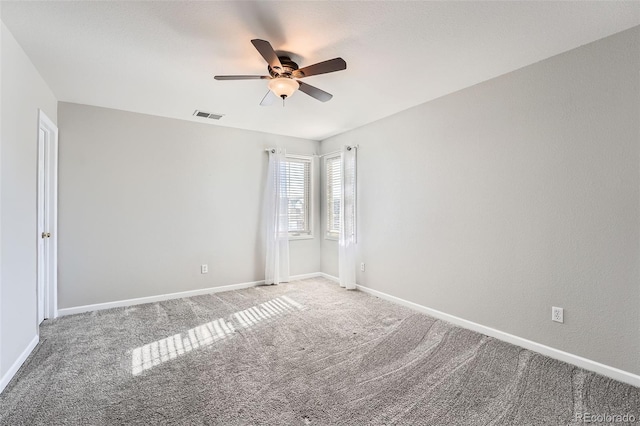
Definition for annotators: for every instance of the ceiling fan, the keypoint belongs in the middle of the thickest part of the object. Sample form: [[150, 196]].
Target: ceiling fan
[[284, 74]]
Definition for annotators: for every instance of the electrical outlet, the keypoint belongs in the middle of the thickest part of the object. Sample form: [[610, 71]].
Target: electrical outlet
[[557, 314], [204, 269], [362, 266]]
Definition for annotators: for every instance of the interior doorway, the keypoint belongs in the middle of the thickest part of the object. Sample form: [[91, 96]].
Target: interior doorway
[[47, 218]]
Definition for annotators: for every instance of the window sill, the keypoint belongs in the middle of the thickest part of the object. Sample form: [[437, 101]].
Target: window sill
[[331, 238], [300, 237]]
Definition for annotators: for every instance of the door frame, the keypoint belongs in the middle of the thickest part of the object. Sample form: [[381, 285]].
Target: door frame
[[50, 150]]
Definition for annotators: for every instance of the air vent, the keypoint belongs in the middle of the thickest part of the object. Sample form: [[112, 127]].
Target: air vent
[[203, 114]]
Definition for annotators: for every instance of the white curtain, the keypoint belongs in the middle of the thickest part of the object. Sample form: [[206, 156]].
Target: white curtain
[[276, 218], [347, 240]]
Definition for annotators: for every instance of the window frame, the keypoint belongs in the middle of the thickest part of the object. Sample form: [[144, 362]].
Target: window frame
[[334, 236], [311, 235]]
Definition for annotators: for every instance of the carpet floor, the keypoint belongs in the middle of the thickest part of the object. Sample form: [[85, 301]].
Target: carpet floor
[[304, 353]]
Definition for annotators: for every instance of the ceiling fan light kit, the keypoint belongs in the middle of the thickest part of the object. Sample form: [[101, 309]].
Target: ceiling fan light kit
[[284, 74], [283, 87]]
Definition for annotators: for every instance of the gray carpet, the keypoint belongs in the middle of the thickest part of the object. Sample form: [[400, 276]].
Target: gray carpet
[[295, 354]]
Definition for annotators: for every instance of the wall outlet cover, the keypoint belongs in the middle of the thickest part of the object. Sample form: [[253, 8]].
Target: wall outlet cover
[[557, 314]]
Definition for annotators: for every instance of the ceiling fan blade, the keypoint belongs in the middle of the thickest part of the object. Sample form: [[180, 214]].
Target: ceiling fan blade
[[269, 55], [268, 99], [332, 65], [241, 77], [314, 92]]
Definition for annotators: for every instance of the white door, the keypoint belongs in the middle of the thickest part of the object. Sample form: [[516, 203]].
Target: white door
[[47, 218], [42, 240]]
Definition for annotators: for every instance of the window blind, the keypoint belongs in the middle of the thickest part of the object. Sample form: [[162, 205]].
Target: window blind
[[334, 193], [297, 172]]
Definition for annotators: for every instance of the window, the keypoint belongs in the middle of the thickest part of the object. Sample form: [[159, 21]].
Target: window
[[297, 176], [334, 193]]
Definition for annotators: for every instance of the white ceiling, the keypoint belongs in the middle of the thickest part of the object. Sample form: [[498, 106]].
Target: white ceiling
[[160, 57]]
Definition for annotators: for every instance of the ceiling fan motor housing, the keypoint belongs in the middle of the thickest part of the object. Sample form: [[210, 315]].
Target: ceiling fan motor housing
[[288, 67]]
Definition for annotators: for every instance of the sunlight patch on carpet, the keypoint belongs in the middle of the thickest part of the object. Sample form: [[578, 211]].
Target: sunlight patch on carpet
[[163, 350]]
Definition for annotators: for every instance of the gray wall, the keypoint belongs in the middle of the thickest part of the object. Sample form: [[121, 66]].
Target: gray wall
[[23, 93], [501, 200], [145, 200]]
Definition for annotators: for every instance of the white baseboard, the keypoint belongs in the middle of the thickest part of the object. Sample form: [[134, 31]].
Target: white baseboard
[[169, 296], [305, 276], [329, 277], [587, 364], [4, 381]]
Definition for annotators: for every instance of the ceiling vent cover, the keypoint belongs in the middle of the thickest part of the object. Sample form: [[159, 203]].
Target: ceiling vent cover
[[203, 114]]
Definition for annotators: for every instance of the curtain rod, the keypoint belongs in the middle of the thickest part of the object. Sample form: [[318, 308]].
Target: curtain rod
[[349, 148], [273, 150]]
